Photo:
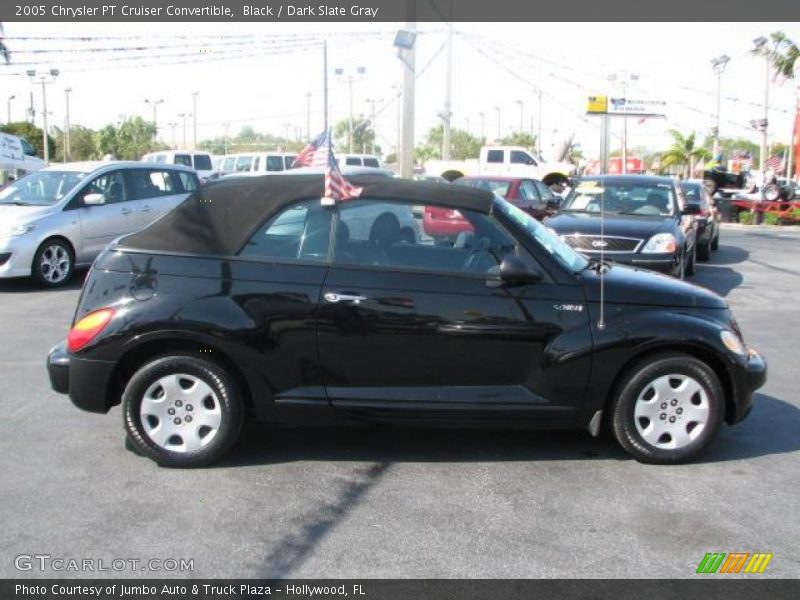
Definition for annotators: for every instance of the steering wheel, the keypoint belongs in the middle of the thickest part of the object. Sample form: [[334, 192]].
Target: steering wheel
[[473, 258]]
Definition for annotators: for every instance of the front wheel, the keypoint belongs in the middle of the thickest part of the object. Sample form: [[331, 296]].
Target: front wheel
[[53, 263], [667, 409], [182, 411]]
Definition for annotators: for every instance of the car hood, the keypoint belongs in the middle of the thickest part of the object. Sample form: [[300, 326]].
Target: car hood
[[613, 225], [11, 213], [629, 285]]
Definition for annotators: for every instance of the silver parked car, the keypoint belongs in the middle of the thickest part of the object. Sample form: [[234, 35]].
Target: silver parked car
[[61, 217]]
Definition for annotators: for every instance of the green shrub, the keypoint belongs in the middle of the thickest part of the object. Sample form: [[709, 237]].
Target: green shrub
[[771, 218], [747, 217], [794, 214]]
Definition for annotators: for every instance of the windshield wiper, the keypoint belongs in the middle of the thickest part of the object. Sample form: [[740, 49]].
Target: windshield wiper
[[18, 203]]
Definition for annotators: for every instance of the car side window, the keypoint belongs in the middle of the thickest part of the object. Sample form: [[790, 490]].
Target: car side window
[[371, 162], [288, 161], [352, 161], [188, 181], [407, 236], [146, 183], [274, 163], [529, 193], [229, 163], [494, 156], [299, 232], [545, 193], [111, 185], [183, 159], [521, 158], [243, 164]]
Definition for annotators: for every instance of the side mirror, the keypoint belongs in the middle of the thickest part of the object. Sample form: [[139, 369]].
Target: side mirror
[[94, 199], [692, 209], [513, 271]]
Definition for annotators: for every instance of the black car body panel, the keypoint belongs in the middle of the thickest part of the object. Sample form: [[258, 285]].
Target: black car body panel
[[415, 346]]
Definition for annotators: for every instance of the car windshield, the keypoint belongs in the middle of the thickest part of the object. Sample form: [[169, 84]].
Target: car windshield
[[693, 192], [545, 236], [646, 199], [42, 188]]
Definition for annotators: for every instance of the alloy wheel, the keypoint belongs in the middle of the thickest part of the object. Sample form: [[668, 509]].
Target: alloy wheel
[[672, 411], [54, 263]]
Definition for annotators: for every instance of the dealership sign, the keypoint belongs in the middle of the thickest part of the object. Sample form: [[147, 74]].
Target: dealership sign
[[605, 105]]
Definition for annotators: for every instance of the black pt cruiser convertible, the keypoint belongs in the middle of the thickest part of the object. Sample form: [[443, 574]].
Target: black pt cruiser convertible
[[256, 300]]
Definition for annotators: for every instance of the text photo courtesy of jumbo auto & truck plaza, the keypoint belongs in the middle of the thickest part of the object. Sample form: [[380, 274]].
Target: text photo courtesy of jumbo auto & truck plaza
[[399, 299]]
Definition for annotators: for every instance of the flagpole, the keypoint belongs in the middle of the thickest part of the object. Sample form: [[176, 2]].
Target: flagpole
[[325, 83]]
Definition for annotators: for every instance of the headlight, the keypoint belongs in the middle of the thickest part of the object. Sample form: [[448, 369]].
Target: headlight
[[17, 230], [732, 342], [662, 243]]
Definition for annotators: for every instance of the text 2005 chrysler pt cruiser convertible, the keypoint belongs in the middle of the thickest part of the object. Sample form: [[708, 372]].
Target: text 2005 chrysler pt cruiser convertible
[[253, 299]]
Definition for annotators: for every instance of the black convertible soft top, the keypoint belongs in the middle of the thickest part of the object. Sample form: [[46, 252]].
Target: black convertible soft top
[[220, 217]]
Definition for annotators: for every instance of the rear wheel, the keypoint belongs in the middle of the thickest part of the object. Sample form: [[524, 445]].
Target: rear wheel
[[668, 409], [715, 242], [182, 411], [54, 263]]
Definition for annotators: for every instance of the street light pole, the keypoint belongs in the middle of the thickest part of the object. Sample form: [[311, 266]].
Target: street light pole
[[308, 115], [718, 65], [194, 120], [372, 102], [499, 130], [10, 98], [225, 139], [483, 125], [539, 132], [154, 104], [66, 124], [45, 79], [521, 120], [760, 47], [183, 116], [624, 79], [174, 143], [350, 79]]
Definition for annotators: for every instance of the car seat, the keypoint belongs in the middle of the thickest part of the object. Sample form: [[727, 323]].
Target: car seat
[[384, 233]]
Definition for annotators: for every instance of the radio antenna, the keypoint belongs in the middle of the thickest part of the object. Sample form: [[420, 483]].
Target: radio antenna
[[601, 323]]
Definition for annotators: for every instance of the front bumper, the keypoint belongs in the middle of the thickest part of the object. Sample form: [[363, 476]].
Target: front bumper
[[16, 257], [747, 378], [86, 381], [664, 263]]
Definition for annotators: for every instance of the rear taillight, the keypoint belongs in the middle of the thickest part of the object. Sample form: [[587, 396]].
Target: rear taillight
[[87, 328]]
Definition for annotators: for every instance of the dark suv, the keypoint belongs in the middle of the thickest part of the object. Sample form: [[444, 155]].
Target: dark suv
[[254, 299], [646, 222]]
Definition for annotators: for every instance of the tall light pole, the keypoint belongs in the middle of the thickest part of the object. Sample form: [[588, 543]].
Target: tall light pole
[[194, 120], [404, 42], [483, 125], [350, 78], [372, 118], [718, 65], [624, 79], [539, 125], [154, 104], [499, 129], [183, 116], [66, 123], [225, 139], [760, 44], [447, 113], [45, 79], [8, 103], [173, 125], [521, 120], [308, 115]]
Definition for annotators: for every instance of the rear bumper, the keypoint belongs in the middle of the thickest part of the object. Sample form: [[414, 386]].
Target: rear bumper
[[86, 381], [746, 380]]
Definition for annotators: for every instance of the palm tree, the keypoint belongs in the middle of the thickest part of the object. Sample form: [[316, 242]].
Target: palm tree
[[783, 54], [684, 153], [4, 53]]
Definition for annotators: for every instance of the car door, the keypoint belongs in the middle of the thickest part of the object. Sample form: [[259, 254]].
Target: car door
[[418, 327], [154, 192], [104, 222]]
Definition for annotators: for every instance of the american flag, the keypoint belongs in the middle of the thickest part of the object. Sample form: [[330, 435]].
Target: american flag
[[775, 163], [315, 154], [319, 153]]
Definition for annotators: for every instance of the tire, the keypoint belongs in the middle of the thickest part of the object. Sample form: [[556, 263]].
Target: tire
[[771, 193], [690, 266], [715, 242], [201, 401], [680, 271], [693, 416], [53, 264], [704, 250]]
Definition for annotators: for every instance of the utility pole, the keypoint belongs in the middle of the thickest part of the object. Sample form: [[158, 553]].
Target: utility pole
[[45, 79], [308, 115], [183, 116], [225, 139], [499, 129], [539, 132], [31, 110], [624, 79], [174, 143], [407, 54], [66, 124], [372, 118], [325, 84], [521, 120], [194, 120], [154, 104], [8, 103], [483, 125], [718, 65], [350, 79], [447, 113]]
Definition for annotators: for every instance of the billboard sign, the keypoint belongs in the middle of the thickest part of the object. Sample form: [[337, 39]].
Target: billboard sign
[[636, 107]]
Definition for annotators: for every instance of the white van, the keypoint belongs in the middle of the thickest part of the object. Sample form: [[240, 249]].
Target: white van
[[257, 163], [359, 160], [199, 161], [17, 157]]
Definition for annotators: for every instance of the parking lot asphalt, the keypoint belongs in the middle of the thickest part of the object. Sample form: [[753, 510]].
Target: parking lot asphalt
[[386, 502]]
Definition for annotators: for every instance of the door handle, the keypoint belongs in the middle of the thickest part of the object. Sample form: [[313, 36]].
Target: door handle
[[126, 211], [334, 298], [147, 209]]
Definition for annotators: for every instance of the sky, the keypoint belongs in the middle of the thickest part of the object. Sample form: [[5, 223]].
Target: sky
[[259, 74]]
